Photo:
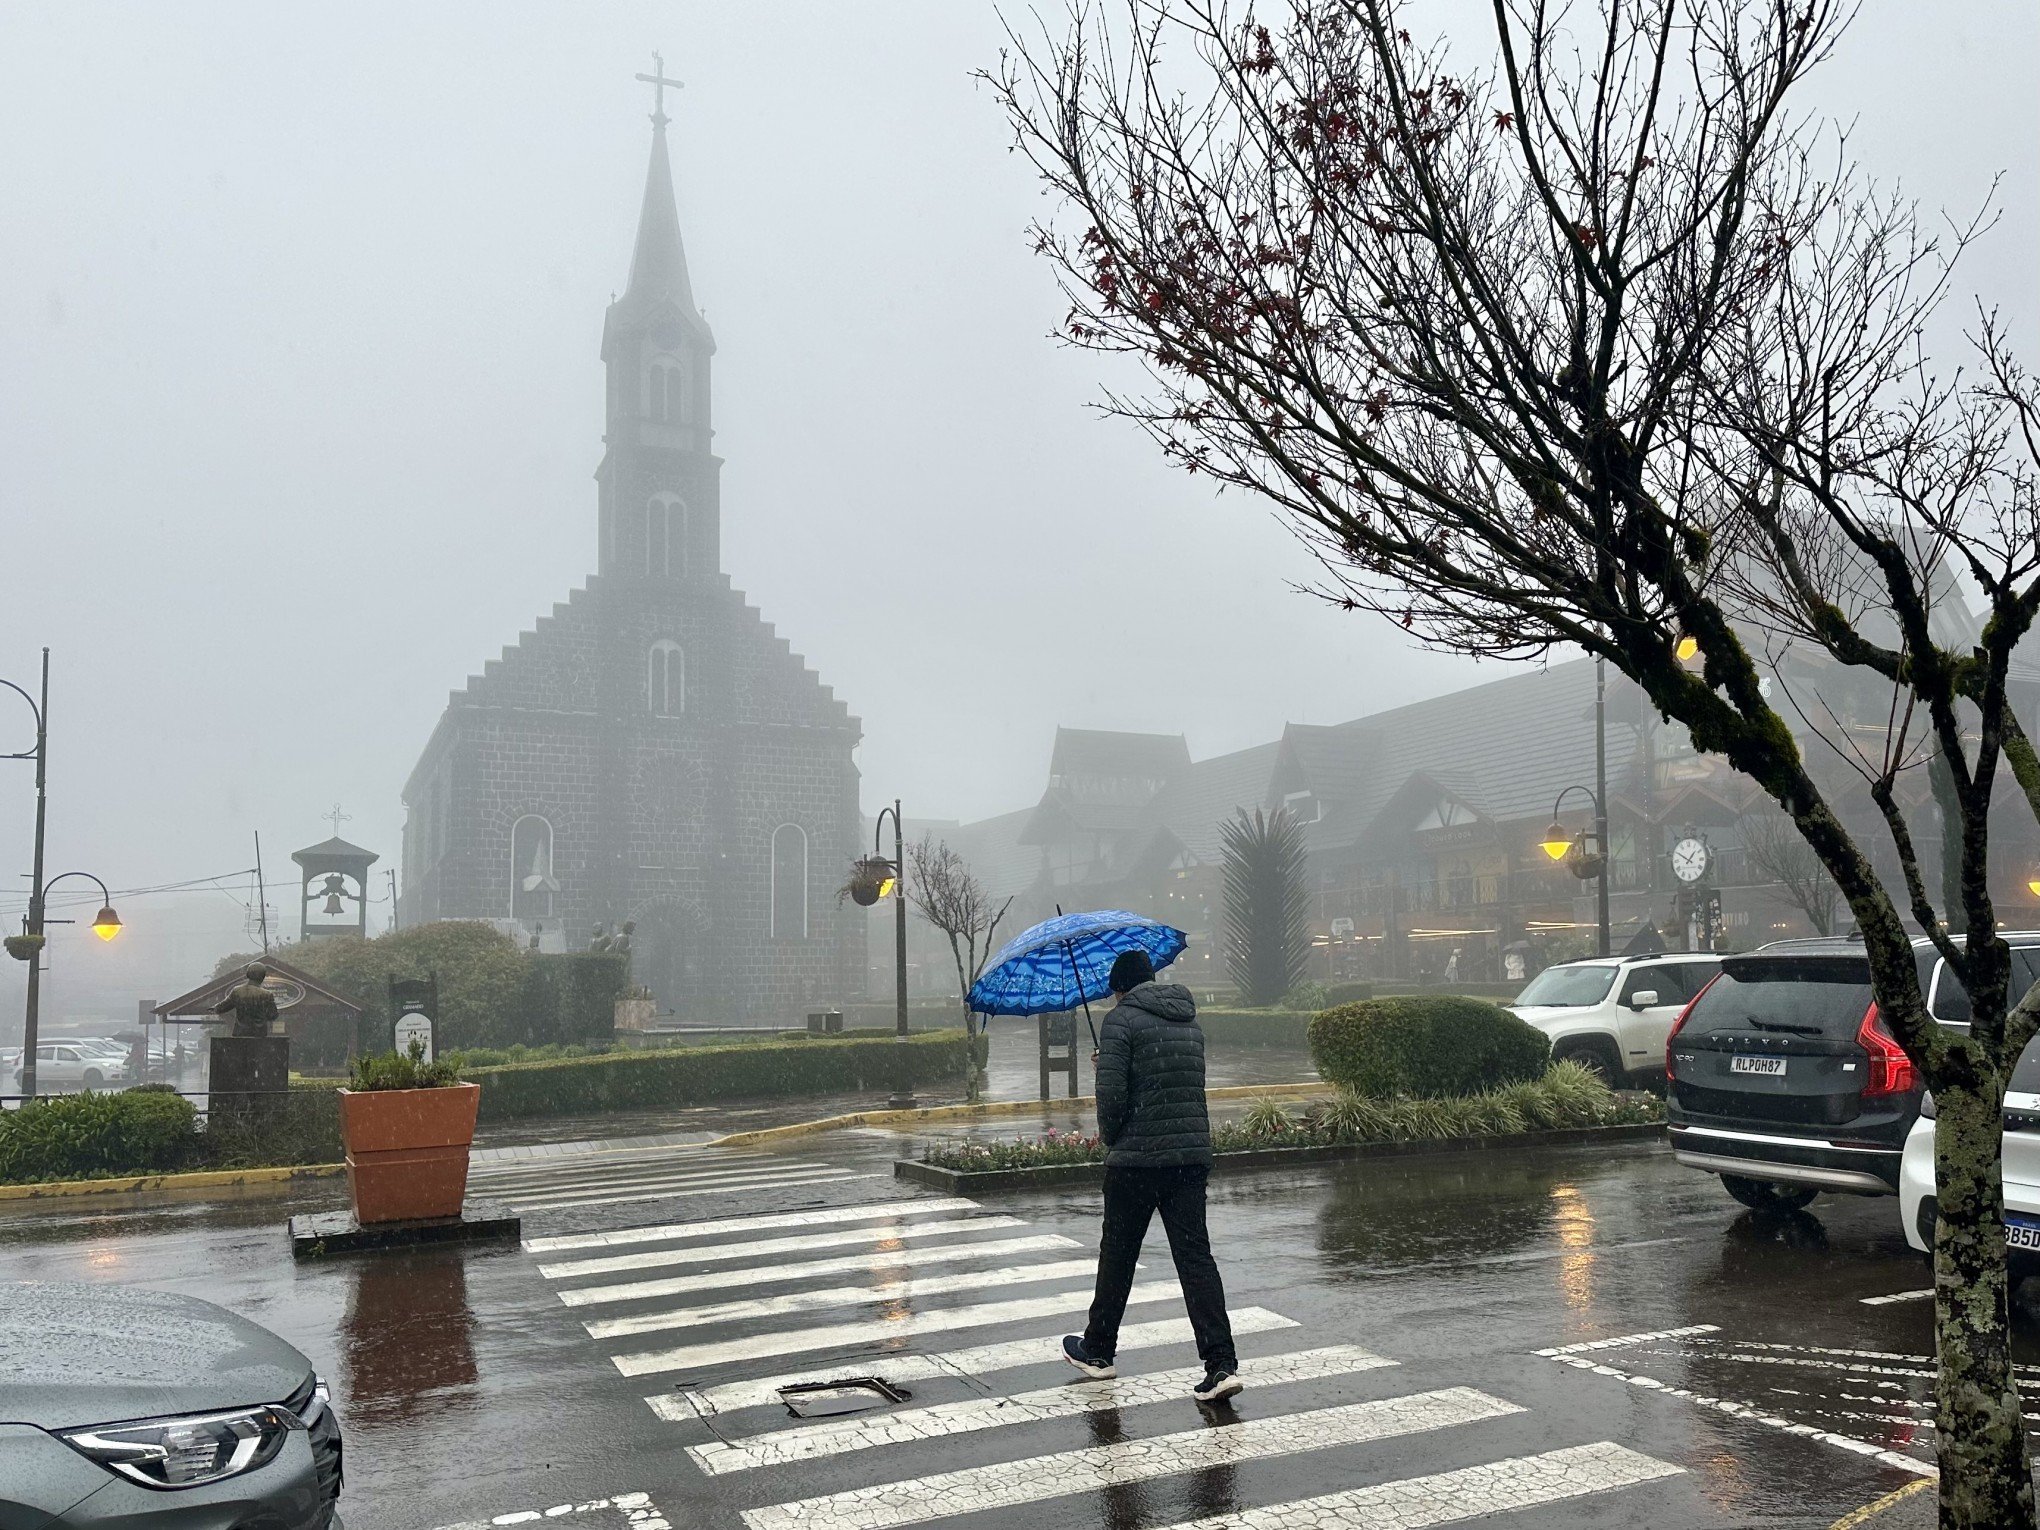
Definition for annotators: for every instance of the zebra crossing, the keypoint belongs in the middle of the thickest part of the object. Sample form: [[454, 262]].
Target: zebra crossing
[[962, 1308], [621, 1175]]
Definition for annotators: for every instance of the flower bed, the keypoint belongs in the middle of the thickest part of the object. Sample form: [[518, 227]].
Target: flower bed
[[1567, 1098]]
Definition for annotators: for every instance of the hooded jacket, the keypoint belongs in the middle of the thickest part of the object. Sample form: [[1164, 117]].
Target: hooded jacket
[[1150, 1083]]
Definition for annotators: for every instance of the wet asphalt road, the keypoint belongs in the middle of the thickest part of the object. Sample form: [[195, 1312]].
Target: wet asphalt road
[[469, 1389]]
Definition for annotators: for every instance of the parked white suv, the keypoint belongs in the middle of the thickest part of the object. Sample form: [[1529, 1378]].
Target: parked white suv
[[1612, 1014]]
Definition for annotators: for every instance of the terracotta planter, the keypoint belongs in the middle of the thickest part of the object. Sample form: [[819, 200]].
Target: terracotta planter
[[407, 1150]]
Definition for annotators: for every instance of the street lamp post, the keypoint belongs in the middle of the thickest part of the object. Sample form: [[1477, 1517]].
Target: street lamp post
[[105, 924], [1561, 845], [874, 878]]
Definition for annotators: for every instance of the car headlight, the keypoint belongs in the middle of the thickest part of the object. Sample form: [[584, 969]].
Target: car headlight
[[186, 1452]]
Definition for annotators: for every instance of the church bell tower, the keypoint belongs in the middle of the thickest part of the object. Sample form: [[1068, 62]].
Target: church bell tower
[[660, 503]]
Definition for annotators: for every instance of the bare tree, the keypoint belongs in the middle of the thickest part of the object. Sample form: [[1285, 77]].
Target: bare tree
[[1774, 848], [1598, 344], [941, 886]]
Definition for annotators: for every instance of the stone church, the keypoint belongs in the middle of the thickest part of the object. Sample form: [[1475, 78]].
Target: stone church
[[652, 751]]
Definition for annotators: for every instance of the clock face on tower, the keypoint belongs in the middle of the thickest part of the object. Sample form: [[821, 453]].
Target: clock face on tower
[[1689, 860]]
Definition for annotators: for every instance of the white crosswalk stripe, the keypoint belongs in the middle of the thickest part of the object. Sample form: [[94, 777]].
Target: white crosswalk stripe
[[623, 1175], [926, 1269], [773, 1248], [978, 1360], [912, 1325], [1006, 1484], [674, 1231], [1450, 1498], [979, 1413], [910, 1289], [877, 1263]]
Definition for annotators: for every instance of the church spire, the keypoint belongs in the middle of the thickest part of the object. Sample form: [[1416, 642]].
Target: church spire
[[658, 263]]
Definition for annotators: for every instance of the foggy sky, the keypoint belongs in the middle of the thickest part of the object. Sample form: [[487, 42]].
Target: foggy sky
[[298, 334]]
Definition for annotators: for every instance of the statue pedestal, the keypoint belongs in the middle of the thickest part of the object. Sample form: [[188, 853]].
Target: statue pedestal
[[249, 1076], [636, 1014]]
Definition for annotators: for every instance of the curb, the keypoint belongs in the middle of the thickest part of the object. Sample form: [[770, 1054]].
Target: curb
[[988, 1110], [210, 1179], [962, 1180]]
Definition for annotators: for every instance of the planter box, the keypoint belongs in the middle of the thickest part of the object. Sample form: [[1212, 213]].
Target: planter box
[[960, 1181], [407, 1150]]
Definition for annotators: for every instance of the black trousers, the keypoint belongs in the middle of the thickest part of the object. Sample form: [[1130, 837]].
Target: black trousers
[[1132, 1197]]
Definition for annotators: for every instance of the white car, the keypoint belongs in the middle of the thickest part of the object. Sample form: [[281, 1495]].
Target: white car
[[1917, 1202], [1613, 1013], [60, 1063]]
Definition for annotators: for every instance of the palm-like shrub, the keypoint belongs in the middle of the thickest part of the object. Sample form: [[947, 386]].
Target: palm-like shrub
[[1265, 905]]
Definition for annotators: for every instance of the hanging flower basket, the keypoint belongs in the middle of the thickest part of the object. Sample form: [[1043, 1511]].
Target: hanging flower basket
[[23, 948]]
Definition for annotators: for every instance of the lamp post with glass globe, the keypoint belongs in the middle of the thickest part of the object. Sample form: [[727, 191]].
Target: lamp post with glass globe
[[871, 879]]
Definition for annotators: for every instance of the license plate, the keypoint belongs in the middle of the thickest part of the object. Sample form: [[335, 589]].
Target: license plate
[[2022, 1234], [1769, 1067]]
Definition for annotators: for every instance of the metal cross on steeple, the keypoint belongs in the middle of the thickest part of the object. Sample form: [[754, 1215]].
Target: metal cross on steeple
[[658, 81], [338, 818]]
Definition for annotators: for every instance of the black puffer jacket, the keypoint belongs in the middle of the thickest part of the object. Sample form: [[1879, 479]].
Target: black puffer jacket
[[1151, 1081]]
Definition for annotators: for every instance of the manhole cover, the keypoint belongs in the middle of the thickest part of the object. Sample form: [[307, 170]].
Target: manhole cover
[[852, 1394]]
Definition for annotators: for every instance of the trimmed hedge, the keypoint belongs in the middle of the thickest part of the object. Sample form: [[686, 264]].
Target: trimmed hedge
[[1425, 1046], [90, 1136], [1255, 1027], [697, 1075]]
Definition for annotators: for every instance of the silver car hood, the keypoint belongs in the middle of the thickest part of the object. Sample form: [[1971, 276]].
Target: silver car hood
[[72, 1355]]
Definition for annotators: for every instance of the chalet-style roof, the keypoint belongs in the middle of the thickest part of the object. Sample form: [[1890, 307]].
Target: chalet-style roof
[[1197, 802], [997, 856], [315, 998], [1086, 758]]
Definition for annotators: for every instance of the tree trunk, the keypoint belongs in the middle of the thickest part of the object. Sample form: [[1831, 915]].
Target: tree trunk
[[1985, 1483]]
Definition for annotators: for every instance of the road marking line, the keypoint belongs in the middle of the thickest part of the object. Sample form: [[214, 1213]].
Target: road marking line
[[670, 1158], [769, 1247], [632, 1181], [1852, 1367], [836, 1296], [1447, 1498], [870, 1333], [1742, 1410], [639, 1512], [655, 1195], [684, 1184], [673, 1231], [1898, 1296], [1068, 1400], [881, 1262], [599, 1173], [1007, 1484], [710, 1402], [1627, 1338], [1869, 1511]]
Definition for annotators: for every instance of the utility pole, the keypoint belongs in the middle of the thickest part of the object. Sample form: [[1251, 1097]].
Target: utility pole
[[391, 873], [261, 895]]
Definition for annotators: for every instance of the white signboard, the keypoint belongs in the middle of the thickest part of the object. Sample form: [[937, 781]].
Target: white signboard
[[414, 1027]]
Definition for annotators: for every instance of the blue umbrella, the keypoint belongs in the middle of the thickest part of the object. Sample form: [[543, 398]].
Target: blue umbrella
[[1065, 961]]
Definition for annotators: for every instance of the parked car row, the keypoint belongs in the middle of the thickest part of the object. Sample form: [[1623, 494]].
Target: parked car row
[[1782, 1078]]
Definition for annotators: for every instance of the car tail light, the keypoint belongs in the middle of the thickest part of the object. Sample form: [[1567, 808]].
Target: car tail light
[[1679, 1024], [1891, 1071]]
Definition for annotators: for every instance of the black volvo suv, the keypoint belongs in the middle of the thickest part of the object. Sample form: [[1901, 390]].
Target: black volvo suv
[[1784, 1081]]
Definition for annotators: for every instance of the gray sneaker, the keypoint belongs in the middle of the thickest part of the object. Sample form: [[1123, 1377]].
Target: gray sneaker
[[1074, 1352]]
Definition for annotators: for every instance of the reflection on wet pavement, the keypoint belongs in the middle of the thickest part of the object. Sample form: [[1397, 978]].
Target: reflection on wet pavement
[[407, 1340]]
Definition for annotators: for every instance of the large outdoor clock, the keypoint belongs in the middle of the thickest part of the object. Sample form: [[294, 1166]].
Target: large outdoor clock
[[1689, 860]]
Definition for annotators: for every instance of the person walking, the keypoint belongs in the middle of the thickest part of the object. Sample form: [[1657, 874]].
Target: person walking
[[1152, 1115]]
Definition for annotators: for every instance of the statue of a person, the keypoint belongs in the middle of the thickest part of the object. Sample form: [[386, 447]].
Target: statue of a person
[[252, 1005], [622, 944]]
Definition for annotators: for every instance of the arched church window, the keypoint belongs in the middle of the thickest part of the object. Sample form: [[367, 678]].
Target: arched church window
[[665, 391], [532, 886], [789, 882], [666, 536], [666, 679]]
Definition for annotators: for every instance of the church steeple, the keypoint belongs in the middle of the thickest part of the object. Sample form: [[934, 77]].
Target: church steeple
[[660, 499]]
